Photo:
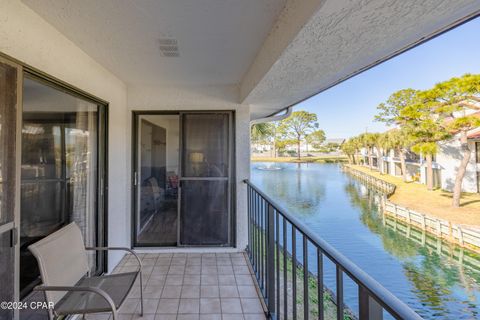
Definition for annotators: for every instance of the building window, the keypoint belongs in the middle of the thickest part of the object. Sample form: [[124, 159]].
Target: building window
[[412, 156]]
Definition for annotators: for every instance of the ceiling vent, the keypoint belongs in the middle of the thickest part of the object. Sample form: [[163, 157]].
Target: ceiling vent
[[168, 47]]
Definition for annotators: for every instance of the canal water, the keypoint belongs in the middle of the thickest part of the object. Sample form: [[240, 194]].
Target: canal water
[[436, 279]]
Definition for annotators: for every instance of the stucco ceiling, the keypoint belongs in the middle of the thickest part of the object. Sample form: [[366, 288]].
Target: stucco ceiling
[[273, 52], [217, 39], [343, 38]]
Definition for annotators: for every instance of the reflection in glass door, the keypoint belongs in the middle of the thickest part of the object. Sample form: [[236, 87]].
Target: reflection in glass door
[[8, 128]]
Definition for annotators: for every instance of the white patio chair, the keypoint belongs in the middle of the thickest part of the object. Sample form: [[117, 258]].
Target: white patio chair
[[62, 259]]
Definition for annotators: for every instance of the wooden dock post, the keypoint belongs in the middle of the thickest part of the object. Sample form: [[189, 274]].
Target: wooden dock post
[[430, 224], [460, 235], [439, 228]]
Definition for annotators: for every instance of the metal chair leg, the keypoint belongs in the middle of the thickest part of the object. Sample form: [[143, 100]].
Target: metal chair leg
[[141, 293], [114, 314]]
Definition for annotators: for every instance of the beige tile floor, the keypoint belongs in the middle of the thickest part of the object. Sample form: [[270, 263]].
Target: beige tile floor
[[191, 286]]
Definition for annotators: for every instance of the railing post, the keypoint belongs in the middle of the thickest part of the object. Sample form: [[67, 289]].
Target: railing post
[[249, 221], [369, 309], [339, 293], [270, 259]]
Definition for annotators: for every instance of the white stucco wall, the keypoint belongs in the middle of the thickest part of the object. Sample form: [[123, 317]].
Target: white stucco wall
[[25, 36], [447, 160], [449, 157]]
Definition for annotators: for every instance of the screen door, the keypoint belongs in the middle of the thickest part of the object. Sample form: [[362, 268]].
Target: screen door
[[204, 211], [157, 163]]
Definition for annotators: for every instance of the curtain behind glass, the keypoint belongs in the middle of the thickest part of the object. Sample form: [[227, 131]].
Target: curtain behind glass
[[205, 145], [81, 165]]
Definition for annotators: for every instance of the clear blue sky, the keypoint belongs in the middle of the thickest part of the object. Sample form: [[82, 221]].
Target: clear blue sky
[[348, 108]]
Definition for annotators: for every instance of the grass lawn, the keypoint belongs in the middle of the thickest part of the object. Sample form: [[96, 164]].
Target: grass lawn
[[435, 203], [322, 159]]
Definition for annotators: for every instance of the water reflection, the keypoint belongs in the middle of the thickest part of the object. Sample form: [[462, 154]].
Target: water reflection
[[438, 280], [367, 200], [303, 195], [435, 270]]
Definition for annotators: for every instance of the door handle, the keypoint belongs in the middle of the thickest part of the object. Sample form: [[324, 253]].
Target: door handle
[[13, 237]]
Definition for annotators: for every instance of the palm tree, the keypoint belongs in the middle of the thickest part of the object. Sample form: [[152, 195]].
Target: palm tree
[[428, 149], [261, 131], [349, 148], [357, 144], [383, 145], [377, 144], [368, 142], [398, 140]]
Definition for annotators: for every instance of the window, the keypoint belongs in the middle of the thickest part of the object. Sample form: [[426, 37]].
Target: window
[[61, 171]]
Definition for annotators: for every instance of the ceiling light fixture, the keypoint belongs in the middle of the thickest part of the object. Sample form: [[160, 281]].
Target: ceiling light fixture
[[168, 47]]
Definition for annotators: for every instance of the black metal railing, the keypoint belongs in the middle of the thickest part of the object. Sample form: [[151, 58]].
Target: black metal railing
[[291, 264]]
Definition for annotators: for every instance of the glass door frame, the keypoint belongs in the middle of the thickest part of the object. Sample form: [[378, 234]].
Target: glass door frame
[[136, 116], [136, 126], [229, 178], [102, 162], [13, 226], [101, 214]]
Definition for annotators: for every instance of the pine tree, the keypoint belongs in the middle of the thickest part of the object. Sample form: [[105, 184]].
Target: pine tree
[[298, 126], [451, 100], [390, 113]]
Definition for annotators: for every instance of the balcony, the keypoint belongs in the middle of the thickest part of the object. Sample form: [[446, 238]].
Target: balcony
[[289, 262], [280, 276], [193, 286], [133, 118]]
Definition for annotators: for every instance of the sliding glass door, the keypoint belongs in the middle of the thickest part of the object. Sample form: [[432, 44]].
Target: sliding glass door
[[182, 179], [62, 171], [205, 179], [52, 172], [156, 180], [9, 102]]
